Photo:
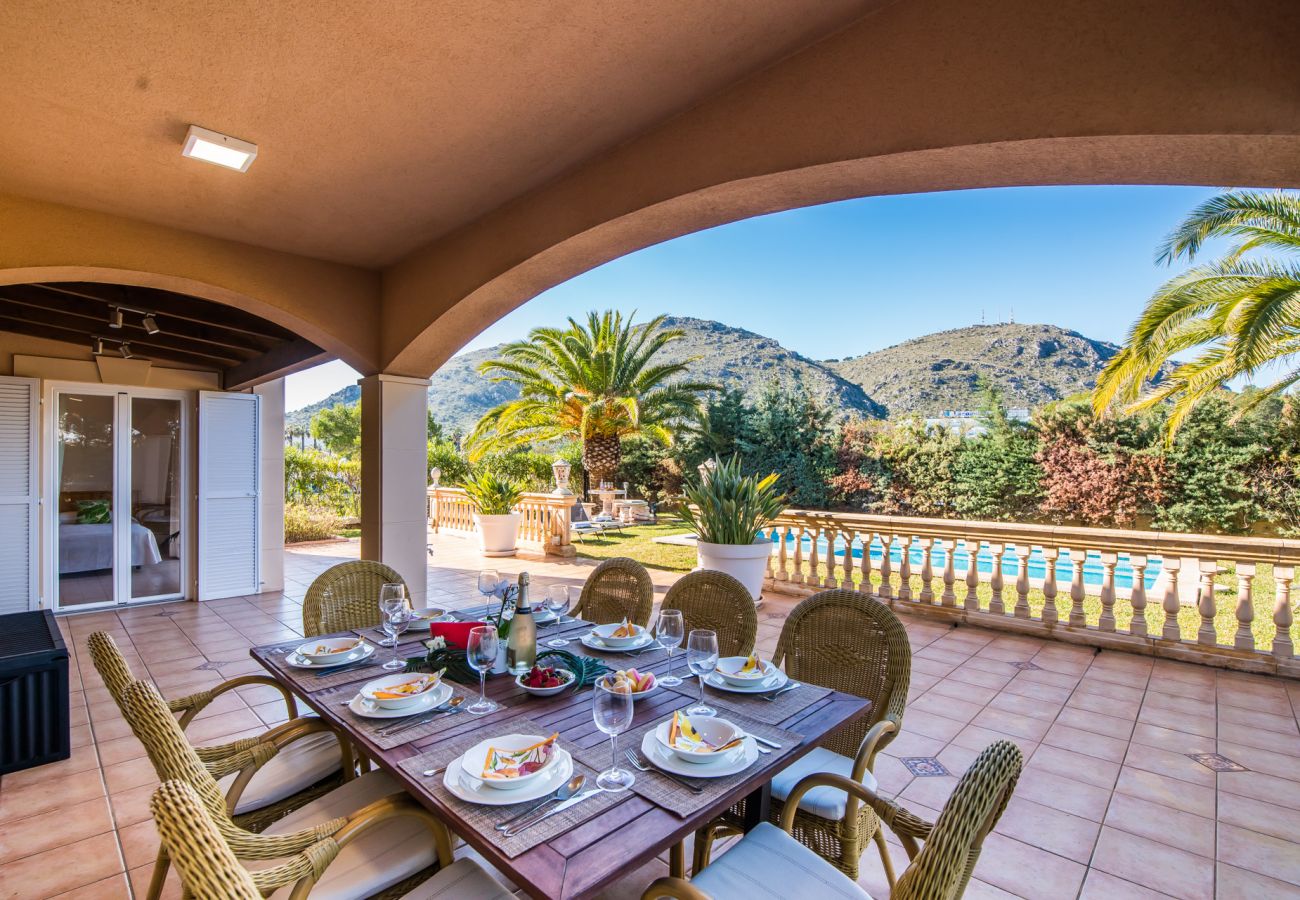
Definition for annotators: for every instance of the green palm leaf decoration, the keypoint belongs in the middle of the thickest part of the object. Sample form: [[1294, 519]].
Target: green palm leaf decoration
[[596, 381], [1239, 315]]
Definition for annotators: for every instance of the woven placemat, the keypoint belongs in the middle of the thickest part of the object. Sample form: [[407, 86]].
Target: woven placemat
[[663, 790], [371, 728], [483, 818], [770, 711], [311, 681]]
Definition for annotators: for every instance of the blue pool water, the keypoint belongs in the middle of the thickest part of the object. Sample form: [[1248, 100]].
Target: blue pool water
[[1036, 564]]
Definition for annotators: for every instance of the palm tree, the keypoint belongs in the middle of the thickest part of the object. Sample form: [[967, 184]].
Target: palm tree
[[1238, 314], [596, 382]]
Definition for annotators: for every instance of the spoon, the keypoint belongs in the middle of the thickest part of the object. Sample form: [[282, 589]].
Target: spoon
[[564, 793]]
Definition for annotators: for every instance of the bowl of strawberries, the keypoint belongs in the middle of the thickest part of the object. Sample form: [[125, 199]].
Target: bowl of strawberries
[[545, 681]]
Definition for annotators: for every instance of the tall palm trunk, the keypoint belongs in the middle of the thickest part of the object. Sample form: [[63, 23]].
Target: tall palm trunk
[[601, 456]]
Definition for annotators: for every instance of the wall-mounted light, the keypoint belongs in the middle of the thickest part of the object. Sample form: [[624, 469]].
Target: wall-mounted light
[[115, 317], [151, 324], [219, 149], [97, 346], [125, 350]]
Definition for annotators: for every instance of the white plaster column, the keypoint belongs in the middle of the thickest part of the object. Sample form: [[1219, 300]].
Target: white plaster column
[[394, 456], [271, 441]]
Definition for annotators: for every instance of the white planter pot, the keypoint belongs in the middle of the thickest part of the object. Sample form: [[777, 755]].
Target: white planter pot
[[747, 563], [499, 667], [497, 534]]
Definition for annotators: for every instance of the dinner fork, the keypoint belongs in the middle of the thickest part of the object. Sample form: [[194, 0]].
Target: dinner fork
[[794, 685], [636, 762]]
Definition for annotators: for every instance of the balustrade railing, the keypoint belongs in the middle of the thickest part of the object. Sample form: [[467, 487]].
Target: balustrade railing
[[1188, 595], [543, 519]]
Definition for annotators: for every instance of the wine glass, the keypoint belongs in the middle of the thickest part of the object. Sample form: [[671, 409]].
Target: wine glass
[[669, 631], [392, 597], [702, 658], [488, 580], [395, 621], [481, 654], [557, 601], [612, 711]]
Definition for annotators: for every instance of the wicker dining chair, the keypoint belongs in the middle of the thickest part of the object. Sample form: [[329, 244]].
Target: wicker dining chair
[[618, 588], [851, 642], [371, 805], [769, 863], [316, 758], [716, 601], [346, 596]]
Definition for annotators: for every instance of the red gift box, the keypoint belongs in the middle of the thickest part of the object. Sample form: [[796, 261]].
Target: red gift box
[[456, 634]]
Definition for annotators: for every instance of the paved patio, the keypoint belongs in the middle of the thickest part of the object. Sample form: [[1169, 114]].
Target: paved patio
[[1111, 804]]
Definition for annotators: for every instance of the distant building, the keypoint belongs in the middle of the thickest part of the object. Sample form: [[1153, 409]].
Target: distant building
[[965, 422]]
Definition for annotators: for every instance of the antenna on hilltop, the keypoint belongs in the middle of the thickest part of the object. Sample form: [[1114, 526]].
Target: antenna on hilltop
[[981, 315], [1013, 315]]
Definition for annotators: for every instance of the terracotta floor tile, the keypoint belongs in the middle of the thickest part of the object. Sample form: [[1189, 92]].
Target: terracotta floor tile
[[1167, 791], [1282, 765], [974, 737], [1050, 693], [1026, 727], [1242, 884], [62, 869], [1259, 739], [115, 887], [141, 875], [1104, 688], [1096, 722], [971, 694], [969, 674], [1161, 823], [1076, 766], [131, 806], [930, 725], [1099, 703], [59, 827], [18, 803], [1260, 853], [1257, 815], [1173, 741], [1101, 886], [1176, 720], [1254, 719], [1167, 869], [1027, 871], [130, 774], [83, 759], [1065, 794], [1049, 829], [1088, 742], [1034, 707]]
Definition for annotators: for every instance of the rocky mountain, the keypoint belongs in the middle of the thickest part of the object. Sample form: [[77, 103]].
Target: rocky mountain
[[721, 354], [1031, 364]]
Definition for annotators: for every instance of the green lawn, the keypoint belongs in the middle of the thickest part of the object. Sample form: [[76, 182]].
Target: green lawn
[[637, 542]]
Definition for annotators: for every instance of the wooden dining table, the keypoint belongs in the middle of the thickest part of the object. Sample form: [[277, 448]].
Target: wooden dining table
[[614, 842]]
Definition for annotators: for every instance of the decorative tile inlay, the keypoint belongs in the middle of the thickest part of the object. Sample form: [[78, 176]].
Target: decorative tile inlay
[[212, 665], [1217, 762], [925, 766], [1025, 666]]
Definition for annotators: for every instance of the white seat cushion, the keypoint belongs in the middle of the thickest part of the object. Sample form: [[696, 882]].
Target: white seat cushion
[[767, 862], [379, 857], [827, 802], [298, 765], [462, 880]]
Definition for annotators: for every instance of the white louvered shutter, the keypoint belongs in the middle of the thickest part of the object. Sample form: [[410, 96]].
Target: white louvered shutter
[[229, 489], [18, 494]]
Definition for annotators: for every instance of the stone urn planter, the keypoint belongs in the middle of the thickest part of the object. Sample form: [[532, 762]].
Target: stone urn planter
[[498, 535], [747, 563]]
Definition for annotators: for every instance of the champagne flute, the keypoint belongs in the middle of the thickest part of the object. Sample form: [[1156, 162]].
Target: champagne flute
[[669, 631], [481, 654], [702, 658], [488, 580], [557, 601], [612, 711], [392, 597]]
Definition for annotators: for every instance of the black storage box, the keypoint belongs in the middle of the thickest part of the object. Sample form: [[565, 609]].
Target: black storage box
[[33, 692]]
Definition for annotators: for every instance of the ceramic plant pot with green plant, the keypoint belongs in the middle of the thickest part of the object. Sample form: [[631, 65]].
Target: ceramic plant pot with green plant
[[727, 509], [494, 498]]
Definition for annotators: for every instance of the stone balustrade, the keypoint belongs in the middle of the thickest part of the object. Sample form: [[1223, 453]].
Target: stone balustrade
[[1152, 592], [543, 520]]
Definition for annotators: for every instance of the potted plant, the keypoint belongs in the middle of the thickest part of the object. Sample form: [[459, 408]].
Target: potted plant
[[726, 509], [494, 498]]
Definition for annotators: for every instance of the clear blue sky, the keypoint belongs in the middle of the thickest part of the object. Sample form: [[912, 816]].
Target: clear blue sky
[[846, 278]]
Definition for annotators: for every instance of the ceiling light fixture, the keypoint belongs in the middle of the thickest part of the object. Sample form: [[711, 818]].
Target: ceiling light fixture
[[115, 318], [151, 324], [219, 149], [126, 350]]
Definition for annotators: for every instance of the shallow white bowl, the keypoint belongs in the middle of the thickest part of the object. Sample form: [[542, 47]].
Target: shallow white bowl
[[368, 689], [604, 631], [340, 647], [474, 758], [547, 692], [729, 669], [714, 730]]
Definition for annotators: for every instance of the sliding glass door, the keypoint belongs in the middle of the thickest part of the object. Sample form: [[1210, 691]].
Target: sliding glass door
[[119, 476]]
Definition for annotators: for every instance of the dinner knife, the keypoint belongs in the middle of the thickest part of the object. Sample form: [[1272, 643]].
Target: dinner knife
[[554, 810]]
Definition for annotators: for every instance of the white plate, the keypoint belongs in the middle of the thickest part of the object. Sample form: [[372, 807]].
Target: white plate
[[298, 662], [737, 760], [590, 640], [425, 702], [473, 790], [543, 616], [714, 680]]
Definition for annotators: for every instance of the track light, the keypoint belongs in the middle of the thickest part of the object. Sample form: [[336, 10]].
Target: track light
[[98, 346], [151, 325], [126, 350], [115, 318]]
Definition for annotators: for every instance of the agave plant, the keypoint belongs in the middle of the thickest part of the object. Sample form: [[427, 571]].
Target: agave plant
[[730, 507], [492, 494], [1240, 315]]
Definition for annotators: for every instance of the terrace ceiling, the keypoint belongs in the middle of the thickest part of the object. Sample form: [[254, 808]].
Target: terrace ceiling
[[381, 126]]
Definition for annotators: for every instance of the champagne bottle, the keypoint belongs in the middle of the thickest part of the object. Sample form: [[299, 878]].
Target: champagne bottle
[[521, 648]]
